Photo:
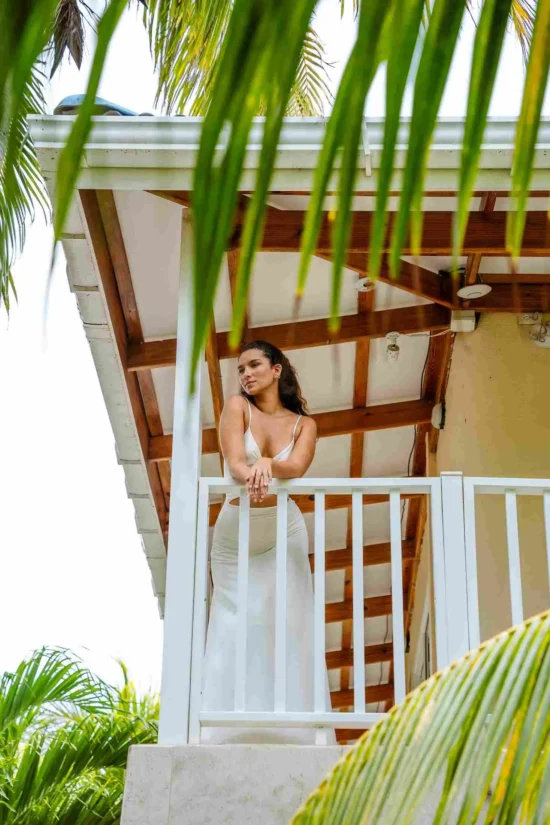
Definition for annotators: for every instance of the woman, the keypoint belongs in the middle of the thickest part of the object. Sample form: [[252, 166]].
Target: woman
[[265, 433]]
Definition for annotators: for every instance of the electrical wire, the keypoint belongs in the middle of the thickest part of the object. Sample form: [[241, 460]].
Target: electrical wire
[[415, 438]]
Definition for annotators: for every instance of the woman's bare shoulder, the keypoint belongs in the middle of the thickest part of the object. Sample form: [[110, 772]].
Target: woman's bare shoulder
[[235, 404], [308, 426]]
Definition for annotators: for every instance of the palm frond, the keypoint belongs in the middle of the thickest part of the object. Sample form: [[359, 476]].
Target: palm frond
[[71, 155], [69, 31], [186, 40], [310, 92], [49, 678], [523, 19], [473, 739], [21, 184]]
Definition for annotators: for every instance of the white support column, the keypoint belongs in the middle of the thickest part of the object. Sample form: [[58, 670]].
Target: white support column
[[454, 548], [180, 569]]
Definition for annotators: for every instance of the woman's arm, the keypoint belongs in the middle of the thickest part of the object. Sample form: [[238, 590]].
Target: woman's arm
[[302, 455], [232, 426]]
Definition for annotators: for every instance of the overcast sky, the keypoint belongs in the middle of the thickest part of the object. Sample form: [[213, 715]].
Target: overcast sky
[[73, 572]]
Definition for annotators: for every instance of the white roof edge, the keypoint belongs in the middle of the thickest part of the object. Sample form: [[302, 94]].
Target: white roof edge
[[147, 132], [146, 152]]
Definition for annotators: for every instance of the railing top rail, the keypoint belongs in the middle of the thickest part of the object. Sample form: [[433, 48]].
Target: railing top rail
[[499, 486], [379, 486]]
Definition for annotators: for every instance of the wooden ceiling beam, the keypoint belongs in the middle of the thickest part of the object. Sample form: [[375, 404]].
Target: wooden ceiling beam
[[341, 422], [304, 334], [430, 285], [373, 606], [485, 234], [99, 210], [373, 655], [373, 554], [373, 693], [306, 503]]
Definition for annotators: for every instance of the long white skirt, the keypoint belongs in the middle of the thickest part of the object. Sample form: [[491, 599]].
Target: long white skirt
[[219, 665]]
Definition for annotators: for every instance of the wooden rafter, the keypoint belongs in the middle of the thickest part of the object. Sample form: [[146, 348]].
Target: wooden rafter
[[106, 238], [373, 606], [422, 282], [332, 502], [373, 655], [373, 554], [484, 234], [303, 334], [373, 693], [341, 422]]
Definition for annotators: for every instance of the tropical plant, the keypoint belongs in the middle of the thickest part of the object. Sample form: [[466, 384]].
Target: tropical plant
[[471, 745], [189, 43], [64, 739]]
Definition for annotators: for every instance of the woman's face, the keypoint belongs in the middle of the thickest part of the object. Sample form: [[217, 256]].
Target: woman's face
[[256, 373]]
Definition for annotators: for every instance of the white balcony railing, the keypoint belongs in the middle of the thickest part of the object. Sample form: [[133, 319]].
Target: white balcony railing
[[320, 717], [454, 563]]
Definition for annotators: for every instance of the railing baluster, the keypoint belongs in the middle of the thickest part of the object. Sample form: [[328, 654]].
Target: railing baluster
[[471, 562], [358, 603], [242, 603], [514, 565], [546, 499], [397, 597], [319, 667], [199, 614], [438, 563], [281, 602]]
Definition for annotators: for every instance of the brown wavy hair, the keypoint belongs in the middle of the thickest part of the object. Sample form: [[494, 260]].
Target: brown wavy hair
[[290, 392]]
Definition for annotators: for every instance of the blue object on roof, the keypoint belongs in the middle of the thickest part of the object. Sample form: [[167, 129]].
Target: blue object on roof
[[70, 105]]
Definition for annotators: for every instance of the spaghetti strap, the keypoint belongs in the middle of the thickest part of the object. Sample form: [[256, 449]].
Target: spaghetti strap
[[249, 414], [294, 430]]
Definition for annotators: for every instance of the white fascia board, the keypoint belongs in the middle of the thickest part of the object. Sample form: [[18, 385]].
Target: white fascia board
[[160, 152]]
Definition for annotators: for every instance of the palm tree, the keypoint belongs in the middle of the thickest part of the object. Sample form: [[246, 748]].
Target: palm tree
[[471, 744], [188, 43], [64, 739]]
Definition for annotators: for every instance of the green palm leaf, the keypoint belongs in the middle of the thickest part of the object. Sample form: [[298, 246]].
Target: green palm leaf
[[64, 741], [528, 124], [474, 739], [21, 184], [71, 155], [487, 50], [433, 69]]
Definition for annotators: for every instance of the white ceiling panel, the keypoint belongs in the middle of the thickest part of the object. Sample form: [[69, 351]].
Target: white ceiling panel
[[391, 381], [386, 452]]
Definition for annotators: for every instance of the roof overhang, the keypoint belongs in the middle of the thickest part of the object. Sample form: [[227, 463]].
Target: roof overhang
[[160, 152]]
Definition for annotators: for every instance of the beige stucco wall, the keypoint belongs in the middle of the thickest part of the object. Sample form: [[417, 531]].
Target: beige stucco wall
[[498, 424]]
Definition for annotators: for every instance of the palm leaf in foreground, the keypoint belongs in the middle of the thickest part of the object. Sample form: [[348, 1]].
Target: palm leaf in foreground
[[473, 741], [21, 183]]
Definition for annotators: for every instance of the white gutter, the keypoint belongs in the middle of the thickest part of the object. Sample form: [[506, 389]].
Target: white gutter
[[160, 152]]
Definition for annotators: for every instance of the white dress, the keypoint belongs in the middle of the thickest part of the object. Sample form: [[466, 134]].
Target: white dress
[[219, 664]]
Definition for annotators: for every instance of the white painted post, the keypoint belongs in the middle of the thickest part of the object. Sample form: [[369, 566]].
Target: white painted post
[[546, 499], [281, 601], [471, 561], [358, 602], [180, 568], [514, 565], [454, 547], [242, 603], [439, 585], [398, 625], [319, 626], [200, 614]]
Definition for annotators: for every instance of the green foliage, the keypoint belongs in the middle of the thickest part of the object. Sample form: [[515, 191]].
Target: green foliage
[[474, 740], [64, 739]]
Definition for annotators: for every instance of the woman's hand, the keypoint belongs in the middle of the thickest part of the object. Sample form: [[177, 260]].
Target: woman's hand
[[259, 479]]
